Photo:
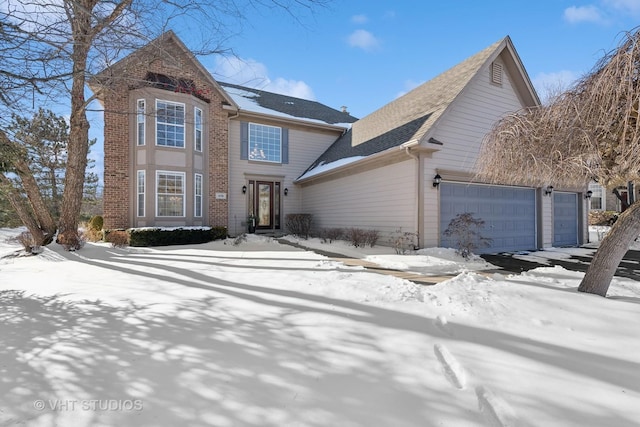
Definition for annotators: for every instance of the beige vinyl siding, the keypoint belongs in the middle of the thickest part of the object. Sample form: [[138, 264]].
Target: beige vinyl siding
[[471, 117], [383, 199], [546, 211], [461, 131], [305, 146]]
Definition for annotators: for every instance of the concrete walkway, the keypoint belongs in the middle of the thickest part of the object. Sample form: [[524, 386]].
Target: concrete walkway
[[420, 279]]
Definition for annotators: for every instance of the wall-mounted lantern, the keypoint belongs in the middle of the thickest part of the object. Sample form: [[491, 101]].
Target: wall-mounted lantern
[[244, 189], [286, 191], [548, 190], [437, 180]]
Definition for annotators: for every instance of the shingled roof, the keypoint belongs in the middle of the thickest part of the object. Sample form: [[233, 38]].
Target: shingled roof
[[411, 116], [260, 101], [342, 148]]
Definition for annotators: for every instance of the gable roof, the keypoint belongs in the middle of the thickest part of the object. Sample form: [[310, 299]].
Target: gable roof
[[154, 48], [274, 104], [411, 116]]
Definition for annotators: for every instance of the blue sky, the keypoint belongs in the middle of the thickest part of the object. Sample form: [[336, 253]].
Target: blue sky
[[364, 53]]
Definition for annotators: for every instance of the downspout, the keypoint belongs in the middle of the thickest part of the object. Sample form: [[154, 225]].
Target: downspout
[[418, 197]]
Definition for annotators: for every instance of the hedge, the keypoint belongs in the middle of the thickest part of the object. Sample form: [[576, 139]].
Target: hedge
[[177, 236]]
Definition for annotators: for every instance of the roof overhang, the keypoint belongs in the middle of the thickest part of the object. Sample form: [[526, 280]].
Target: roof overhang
[[262, 117], [408, 150]]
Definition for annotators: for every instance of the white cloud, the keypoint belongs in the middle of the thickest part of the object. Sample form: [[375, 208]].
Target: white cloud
[[359, 19], [551, 84], [363, 39], [254, 74], [628, 6], [577, 14]]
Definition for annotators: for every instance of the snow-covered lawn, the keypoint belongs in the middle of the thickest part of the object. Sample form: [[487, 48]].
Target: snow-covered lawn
[[264, 334]]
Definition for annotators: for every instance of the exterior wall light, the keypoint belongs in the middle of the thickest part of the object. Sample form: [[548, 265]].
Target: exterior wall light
[[548, 190], [437, 180], [588, 195], [286, 191], [244, 189]]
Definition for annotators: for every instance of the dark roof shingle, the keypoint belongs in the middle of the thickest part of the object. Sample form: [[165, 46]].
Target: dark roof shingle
[[287, 105]]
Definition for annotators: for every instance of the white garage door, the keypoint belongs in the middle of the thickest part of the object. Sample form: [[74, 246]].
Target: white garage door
[[509, 214], [565, 219]]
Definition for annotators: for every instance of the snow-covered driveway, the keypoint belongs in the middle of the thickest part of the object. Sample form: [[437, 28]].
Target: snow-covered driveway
[[263, 334]]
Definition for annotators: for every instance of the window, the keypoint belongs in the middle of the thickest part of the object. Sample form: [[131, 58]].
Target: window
[[170, 193], [197, 201], [140, 119], [265, 143], [597, 196], [169, 124], [140, 186], [197, 129]]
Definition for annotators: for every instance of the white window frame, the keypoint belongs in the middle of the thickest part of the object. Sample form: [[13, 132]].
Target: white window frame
[[197, 195], [182, 175], [140, 190], [141, 122], [182, 126], [197, 129], [256, 152], [598, 191]]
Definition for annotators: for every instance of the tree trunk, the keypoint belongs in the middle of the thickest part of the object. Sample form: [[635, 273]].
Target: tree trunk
[[40, 209], [611, 251], [78, 146], [18, 203]]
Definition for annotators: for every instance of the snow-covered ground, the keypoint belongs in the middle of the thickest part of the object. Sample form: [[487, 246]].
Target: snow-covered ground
[[264, 334]]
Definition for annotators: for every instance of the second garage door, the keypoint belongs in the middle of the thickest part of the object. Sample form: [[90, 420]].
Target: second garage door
[[509, 214], [565, 219]]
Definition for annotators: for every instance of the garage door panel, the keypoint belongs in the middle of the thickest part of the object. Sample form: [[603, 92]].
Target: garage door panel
[[508, 212], [565, 219]]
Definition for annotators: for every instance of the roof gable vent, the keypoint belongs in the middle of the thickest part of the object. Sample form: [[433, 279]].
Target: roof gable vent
[[496, 73]]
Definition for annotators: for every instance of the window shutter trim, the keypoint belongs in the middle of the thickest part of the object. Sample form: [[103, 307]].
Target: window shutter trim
[[285, 145], [244, 140]]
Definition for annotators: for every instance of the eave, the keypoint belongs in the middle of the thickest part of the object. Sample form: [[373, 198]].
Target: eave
[[408, 150], [284, 120]]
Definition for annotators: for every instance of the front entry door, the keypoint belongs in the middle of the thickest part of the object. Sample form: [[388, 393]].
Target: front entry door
[[264, 204]]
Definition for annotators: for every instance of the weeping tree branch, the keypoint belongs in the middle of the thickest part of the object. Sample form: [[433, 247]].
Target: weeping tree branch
[[590, 131]]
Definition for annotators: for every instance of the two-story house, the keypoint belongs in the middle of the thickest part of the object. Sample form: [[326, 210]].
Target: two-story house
[[182, 149]]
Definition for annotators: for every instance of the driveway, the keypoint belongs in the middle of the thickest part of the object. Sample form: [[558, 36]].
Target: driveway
[[628, 268]]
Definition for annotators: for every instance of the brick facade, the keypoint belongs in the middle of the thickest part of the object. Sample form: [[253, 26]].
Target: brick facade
[[168, 57]]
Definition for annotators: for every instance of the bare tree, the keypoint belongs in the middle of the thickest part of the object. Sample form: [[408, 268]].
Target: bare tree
[[590, 132], [51, 48]]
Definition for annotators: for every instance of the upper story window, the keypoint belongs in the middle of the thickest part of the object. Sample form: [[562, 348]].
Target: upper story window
[[265, 143], [197, 129], [140, 119], [169, 124]]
